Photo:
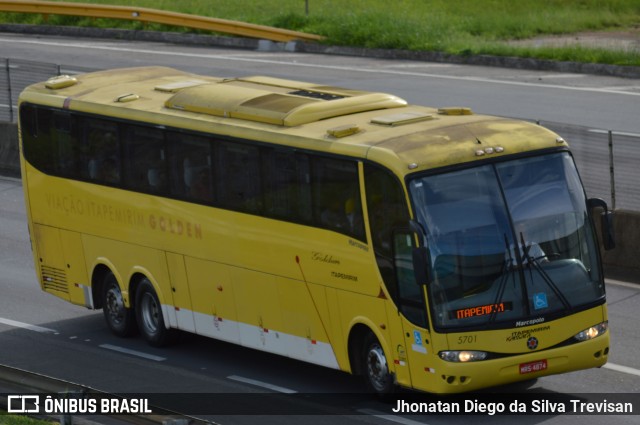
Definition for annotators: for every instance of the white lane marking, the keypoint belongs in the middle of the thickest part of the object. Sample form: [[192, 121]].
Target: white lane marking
[[392, 418], [419, 65], [27, 326], [623, 369], [563, 76], [261, 384], [133, 352], [621, 283], [623, 87], [309, 65]]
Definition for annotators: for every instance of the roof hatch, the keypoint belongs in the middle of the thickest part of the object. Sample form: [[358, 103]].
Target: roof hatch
[[276, 101], [402, 118], [176, 86]]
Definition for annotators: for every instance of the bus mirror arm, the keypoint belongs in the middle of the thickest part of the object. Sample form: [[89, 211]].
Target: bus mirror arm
[[606, 222], [418, 229]]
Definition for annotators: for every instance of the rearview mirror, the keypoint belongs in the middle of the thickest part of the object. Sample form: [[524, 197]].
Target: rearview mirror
[[608, 233], [606, 223]]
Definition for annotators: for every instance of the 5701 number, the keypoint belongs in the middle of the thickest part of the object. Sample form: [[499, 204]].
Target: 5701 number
[[466, 339]]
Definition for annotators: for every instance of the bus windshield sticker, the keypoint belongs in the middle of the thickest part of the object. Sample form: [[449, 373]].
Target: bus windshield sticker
[[540, 301], [481, 310]]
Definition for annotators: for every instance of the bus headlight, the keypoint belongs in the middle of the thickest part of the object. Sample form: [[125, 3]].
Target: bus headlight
[[592, 332], [462, 356]]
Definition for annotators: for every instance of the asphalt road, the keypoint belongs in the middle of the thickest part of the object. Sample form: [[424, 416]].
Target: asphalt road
[[578, 99], [560, 101], [42, 334]]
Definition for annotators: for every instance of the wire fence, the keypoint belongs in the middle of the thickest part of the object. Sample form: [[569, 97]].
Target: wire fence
[[18, 74], [607, 160]]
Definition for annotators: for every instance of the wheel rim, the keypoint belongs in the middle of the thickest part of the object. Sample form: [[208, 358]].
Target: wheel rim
[[377, 369], [115, 305], [150, 313]]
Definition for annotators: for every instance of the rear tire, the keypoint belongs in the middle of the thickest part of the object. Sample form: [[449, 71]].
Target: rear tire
[[375, 367], [120, 319], [149, 315]]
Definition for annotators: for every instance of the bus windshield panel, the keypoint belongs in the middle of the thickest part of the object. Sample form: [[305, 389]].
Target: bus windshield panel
[[508, 242]]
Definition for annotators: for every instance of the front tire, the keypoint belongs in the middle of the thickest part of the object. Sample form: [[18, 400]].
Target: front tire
[[375, 367], [120, 319], [149, 315]]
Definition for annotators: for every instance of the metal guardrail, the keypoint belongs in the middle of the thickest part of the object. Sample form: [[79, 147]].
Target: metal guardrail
[[156, 16], [25, 383]]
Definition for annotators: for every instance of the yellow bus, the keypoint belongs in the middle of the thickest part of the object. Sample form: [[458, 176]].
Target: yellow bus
[[426, 248]]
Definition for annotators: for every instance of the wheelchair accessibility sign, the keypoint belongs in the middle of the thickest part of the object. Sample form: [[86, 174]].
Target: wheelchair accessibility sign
[[540, 301], [417, 343]]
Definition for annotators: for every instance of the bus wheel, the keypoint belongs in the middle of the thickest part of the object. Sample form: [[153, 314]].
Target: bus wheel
[[149, 315], [120, 319], [376, 370]]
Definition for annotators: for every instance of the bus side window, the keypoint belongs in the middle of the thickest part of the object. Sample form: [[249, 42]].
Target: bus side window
[[336, 196], [49, 142], [100, 149], [386, 205], [145, 159], [387, 210], [67, 159], [191, 167], [35, 141], [286, 190], [28, 121], [238, 177]]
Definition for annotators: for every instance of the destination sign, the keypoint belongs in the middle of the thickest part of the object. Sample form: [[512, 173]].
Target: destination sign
[[481, 310]]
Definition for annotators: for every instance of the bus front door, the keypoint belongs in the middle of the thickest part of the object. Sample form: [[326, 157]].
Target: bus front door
[[418, 352]]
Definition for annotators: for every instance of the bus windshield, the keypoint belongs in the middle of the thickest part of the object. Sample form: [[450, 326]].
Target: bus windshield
[[509, 243]]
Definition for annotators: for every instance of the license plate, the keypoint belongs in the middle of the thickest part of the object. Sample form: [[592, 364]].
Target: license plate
[[537, 366]]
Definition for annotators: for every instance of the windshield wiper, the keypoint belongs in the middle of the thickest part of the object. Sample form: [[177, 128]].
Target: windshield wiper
[[535, 263], [508, 264]]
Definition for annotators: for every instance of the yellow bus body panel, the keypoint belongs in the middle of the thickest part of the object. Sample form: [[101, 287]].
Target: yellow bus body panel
[[281, 287]]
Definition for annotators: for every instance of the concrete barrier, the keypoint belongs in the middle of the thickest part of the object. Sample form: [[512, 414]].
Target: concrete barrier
[[9, 152], [623, 262]]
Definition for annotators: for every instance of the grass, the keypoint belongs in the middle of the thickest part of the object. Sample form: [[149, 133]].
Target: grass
[[462, 27], [6, 419]]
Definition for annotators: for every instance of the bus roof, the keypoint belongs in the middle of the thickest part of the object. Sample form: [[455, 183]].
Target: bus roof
[[377, 126]]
